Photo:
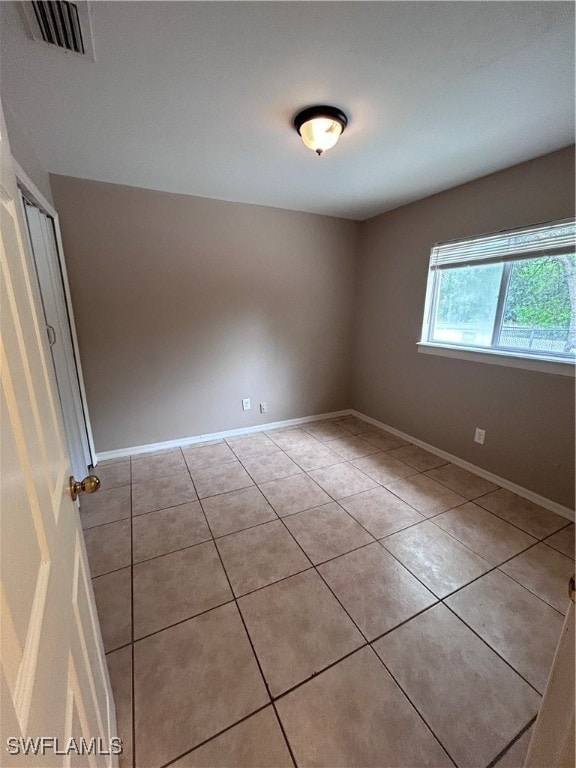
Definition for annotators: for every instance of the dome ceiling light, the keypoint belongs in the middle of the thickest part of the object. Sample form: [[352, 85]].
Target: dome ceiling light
[[320, 127]]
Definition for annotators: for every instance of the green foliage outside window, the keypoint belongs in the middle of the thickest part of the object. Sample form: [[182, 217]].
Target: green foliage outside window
[[538, 294]]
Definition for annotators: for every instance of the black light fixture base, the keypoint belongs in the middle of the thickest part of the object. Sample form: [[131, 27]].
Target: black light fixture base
[[320, 111]]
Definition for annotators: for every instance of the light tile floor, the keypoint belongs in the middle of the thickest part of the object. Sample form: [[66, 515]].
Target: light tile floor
[[326, 595]]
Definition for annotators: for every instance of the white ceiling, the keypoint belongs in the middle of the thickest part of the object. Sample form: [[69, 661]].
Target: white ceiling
[[198, 97]]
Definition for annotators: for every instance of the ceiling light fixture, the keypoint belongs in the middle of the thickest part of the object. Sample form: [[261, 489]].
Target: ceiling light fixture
[[320, 127]]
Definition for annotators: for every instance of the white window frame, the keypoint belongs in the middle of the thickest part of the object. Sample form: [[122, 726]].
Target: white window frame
[[503, 246]]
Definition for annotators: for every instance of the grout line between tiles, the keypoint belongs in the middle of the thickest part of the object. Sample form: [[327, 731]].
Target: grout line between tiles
[[215, 736], [182, 621], [107, 573], [505, 520], [380, 483], [281, 724], [95, 578], [276, 581], [436, 602], [487, 644], [549, 546], [110, 522], [172, 551], [528, 589], [253, 650], [381, 539], [219, 463], [249, 527], [414, 707], [320, 671], [292, 474], [432, 519], [313, 469], [497, 568], [550, 535], [501, 754], [153, 478], [223, 493], [119, 648], [441, 482]]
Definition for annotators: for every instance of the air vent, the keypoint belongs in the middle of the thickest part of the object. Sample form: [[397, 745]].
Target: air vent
[[61, 24]]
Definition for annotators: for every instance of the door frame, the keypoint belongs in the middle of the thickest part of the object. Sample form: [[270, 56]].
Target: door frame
[[552, 742], [32, 192]]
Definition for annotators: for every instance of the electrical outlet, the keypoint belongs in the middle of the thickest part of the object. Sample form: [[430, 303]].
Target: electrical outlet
[[479, 435], [263, 407], [246, 404]]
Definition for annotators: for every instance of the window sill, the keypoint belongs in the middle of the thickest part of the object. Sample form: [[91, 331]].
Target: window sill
[[492, 357]]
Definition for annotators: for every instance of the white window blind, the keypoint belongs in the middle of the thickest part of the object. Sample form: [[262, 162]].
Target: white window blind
[[531, 242]]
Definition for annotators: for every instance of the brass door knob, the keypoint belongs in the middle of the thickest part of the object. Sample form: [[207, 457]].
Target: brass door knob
[[90, 484]]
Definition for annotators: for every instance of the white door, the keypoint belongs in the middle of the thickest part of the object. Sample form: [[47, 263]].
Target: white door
[[53, 671], [45, 253]]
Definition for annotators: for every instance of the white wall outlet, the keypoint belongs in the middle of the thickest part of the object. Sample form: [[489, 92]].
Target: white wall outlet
[[479, 435], [246, 404], [263, 407]]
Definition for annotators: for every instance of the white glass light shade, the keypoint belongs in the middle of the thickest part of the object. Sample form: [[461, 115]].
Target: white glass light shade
[[320, 133]]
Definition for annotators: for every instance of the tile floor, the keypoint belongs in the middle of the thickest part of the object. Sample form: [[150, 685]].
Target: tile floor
[[325, 595]]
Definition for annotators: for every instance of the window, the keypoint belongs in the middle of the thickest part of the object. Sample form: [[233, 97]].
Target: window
[[510, 293]]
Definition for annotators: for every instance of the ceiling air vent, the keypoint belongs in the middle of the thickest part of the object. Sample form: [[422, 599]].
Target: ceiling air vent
[[59, 24], [63, 24]]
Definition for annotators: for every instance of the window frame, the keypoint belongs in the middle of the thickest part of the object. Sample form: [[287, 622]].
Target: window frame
[[497, 355]]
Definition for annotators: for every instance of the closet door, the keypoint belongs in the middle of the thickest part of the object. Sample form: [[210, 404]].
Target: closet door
[[57, 321]]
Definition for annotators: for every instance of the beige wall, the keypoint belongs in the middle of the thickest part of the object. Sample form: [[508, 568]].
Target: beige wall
[[186, 305], [529, 416]]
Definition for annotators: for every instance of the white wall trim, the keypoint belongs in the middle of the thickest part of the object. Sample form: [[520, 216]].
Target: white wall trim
[[122, 452], [542, 501], [555, 365]]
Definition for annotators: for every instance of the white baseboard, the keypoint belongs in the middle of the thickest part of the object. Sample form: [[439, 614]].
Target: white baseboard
[[542, 501], [553, 506], [120, 453]]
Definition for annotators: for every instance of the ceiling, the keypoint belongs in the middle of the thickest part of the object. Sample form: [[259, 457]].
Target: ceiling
[[198, 97]]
